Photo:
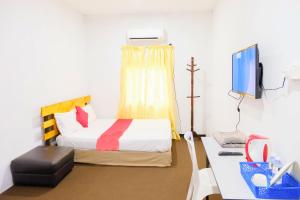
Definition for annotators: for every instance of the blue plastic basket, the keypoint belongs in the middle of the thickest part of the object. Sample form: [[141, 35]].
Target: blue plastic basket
[[289, 188]]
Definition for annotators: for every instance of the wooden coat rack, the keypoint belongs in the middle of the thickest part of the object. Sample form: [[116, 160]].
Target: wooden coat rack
[[192, 97]]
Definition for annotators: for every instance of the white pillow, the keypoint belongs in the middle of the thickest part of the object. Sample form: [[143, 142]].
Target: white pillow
[[92, 115], [66, 122]]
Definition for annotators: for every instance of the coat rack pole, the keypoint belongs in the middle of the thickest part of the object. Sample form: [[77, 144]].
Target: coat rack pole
[[192, 97], [192, 94]]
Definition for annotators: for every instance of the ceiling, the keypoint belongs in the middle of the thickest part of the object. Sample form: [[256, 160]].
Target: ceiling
[[96, 7]]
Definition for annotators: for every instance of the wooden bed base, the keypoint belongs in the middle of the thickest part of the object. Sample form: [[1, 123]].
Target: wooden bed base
[[124, 158]]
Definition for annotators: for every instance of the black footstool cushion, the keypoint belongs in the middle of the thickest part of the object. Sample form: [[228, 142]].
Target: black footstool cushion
[[43, 166]]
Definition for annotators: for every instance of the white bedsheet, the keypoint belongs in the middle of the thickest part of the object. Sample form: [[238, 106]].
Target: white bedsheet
[[150, 135]]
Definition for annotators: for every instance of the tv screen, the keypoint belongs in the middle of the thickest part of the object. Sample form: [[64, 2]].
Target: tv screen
[[246, 72]]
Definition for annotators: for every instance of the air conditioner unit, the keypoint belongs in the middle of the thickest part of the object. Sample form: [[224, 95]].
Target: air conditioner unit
[[146, 36]]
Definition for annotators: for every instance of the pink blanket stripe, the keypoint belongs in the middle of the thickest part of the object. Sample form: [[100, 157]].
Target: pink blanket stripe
[[109, 140]]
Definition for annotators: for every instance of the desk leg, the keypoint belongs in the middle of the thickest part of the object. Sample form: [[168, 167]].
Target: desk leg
[[207, 165], [207, 162]]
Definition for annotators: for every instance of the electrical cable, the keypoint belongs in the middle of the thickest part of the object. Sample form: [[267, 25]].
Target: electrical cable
[[240, 98], [268, 89], [229, 94], [239, 111]]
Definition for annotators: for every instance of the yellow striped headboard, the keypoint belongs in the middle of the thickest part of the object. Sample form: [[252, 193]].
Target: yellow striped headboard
[[47, 112]]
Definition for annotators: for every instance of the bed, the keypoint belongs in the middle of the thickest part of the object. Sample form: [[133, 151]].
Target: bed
[[146, 142]]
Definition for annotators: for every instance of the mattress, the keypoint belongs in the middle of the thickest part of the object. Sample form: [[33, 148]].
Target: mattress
[[147, 135]]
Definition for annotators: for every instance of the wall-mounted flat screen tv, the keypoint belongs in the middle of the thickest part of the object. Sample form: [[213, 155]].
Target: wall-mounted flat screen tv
[[247, 72]]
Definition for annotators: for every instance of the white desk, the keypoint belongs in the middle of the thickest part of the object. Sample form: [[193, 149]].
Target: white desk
[[227, 171]]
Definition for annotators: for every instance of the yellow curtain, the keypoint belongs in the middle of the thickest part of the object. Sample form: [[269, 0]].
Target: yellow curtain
[[147, 87]]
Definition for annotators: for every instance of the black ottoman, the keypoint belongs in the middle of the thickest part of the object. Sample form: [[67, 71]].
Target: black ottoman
[[43, 166]]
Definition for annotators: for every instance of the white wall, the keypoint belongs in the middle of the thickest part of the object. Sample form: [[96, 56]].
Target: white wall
[[42, 60], [189, 33], [273, 25], [42, 51]]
